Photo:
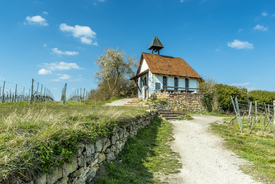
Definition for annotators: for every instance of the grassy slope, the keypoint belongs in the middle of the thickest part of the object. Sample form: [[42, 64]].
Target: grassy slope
[[45, 135], [259, 150], [144, 157]]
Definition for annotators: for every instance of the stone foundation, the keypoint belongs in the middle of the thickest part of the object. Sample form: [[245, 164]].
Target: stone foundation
[[86, 162], [178, 102]]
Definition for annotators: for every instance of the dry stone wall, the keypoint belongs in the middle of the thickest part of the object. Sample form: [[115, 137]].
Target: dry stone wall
[[86, 162], [178, 102]]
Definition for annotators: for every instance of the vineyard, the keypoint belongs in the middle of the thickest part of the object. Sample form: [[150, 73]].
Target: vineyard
[[12, 93], [254, 116]]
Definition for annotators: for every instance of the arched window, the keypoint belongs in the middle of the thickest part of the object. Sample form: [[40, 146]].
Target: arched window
[[176, 84], [186, 84], [145, 81], [164, 82], [140, 82]]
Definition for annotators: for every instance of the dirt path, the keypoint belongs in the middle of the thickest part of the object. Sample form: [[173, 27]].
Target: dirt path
[[204, 159], [120, 102]]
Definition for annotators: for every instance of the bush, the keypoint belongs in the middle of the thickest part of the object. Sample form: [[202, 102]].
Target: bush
[[224, 93], [261, 96]]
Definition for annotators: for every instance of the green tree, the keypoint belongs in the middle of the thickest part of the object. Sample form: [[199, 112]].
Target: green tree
[[224, 93], [115, 70], [210, 95]]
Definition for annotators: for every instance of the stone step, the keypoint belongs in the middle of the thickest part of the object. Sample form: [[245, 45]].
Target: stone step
[[168, 115], [172, 118]]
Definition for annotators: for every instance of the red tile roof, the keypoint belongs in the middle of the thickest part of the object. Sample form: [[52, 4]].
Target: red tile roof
[[167, 65]]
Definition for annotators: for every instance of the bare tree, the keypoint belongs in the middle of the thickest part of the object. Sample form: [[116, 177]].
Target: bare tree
[[114, 69]]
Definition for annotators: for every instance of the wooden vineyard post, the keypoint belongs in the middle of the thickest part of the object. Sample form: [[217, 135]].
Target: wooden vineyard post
[[23, 97], [84, 95], [250, 107], [64, 97], [40, 96], [237, 111], [31, 101], [3, 92], [274, 119], [15, 94], [239, 115], [255, 119], [265, 114]]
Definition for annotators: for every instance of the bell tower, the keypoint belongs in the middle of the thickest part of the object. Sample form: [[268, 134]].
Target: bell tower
[[155, 45]]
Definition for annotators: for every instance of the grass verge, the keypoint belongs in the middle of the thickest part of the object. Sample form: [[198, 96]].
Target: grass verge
[[36, 138], [144, 157], [252, 147]]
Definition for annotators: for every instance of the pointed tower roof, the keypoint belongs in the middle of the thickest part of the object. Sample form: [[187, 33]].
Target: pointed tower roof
[[155, 45]]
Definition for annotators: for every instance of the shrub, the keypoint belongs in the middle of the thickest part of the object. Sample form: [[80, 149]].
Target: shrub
[[224, 93], [261, 96]]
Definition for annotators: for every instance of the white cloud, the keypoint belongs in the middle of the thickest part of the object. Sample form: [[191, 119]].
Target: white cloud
[[46, 13], [43, 71], [240, 30], [36, 20], [85, 33], [264, 14], [64, 76], [68, 53], [61, 66], [260, 28], [86, 40], [78, 31], [61, 77], [45, 45], [240, 84], [240, 45]]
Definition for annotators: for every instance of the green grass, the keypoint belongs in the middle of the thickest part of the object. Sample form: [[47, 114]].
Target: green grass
[[144, 157], [186, 117], [260, 150], [208, 113], [35, 138]]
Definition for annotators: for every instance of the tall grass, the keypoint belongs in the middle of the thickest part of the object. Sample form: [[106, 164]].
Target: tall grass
[[35, 138], [256, 147]]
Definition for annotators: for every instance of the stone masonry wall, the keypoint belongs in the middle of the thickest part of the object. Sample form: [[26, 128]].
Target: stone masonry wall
[[86, 162], [178, 102]]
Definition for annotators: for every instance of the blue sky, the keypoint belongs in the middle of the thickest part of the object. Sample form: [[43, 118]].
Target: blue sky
[[230, 41]]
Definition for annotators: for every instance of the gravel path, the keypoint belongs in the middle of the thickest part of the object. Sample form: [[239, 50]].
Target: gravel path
[[120, 102], [204, 159]]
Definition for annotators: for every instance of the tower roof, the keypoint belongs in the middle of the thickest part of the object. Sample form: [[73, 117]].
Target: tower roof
[[155, 44]]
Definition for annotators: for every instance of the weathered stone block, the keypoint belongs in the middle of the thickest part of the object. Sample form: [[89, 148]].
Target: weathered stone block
[[110, 157], [81, 161], [78, 172], [107, 143], [91, 174], [98, 145], [69, 167], [56, 175], [108, 151], [113, 139], [90, 149], [80, 149], [63, 181], [41, 180], [94, 163], [101, 157]]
